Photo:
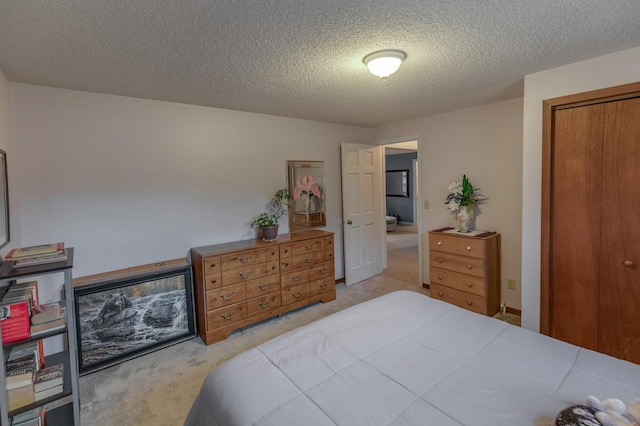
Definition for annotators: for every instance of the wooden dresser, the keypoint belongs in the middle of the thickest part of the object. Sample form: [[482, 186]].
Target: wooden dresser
[[465, 269], [240, 283]]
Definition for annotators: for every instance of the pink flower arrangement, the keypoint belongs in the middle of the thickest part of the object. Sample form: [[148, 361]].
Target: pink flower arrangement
[[306, 187]]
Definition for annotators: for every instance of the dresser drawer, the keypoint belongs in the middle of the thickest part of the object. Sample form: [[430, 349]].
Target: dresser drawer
[[459, 298], [273, 267], [226, 296], [321, 271], [295, 293], [211, 264], [328, 242], [263, 304], [286, 264], [245, 258], [457, 245], [463, 264], [322, 285], [262, 286], [285, 250], [307, 259], [295, 277], [212, 281], [272, 254], [244, 273], [458, 281], [227, 315], [308, 246]]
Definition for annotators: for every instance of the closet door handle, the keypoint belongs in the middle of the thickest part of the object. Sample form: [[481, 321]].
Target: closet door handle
[[629, 263]]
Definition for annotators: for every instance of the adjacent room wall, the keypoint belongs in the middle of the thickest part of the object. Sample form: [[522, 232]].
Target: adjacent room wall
[[129, 181], [402, 206], [485, 143], [606, 71]]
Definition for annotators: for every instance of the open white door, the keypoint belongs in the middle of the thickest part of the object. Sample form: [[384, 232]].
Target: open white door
[[362, 214]]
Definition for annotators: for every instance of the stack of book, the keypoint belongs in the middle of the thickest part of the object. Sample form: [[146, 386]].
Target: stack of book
[[48, 381], [20, 373], [33, 417], [37, 255], [47, 317]]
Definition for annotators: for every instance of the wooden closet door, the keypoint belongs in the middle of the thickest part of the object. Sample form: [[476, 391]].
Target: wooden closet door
[[619, 323], [574, 261]]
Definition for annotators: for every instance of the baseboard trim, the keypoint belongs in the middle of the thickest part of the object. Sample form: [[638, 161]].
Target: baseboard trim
[[514, 311], [339, 280], [427, 286]]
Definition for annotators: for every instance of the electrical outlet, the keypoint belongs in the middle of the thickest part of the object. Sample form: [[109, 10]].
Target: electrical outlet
[[426, 204], [511, 284]]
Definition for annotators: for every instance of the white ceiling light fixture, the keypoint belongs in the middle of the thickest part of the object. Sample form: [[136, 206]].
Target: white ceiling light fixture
[[383, 63]]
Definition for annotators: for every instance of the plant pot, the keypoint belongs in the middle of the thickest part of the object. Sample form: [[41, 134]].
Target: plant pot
[[270, 233]]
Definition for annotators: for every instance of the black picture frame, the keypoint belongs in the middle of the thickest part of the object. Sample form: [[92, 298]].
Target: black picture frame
[[4, 201], [397, 183], [127, 317]]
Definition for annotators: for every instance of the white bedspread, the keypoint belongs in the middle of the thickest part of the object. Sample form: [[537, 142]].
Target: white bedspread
[[407, 359]]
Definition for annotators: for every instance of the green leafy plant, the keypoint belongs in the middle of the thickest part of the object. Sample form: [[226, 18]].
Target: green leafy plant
[[276, 209]]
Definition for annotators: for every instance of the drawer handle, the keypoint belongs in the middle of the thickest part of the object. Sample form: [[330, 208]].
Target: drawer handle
[[213, 265], [330, 242], [297, 294], [273, 253], [296, 277], [261, 287], [323, 286], [309, 260], [309, 247], [286, 251], [439, 243], [273, 268], [229, 316], [246, 274], [160, 264], [245, 260], [440, 294], [469, 285], [266, 304], [440, 277], [470, 303], [439, 260], [323, 270], [468, 248], [227, 297], [469, 266], [213, 281], [285, 264]]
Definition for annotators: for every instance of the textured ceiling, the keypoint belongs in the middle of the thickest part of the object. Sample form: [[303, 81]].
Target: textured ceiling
[[303, 58]]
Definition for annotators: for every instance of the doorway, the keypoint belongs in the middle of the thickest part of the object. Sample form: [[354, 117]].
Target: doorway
[[402, 237]]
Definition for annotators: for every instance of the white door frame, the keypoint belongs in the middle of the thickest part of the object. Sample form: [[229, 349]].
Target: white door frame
[[417, 191]]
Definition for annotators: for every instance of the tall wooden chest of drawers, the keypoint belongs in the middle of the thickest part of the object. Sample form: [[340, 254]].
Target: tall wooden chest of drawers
[[465, 269], [240, 283]]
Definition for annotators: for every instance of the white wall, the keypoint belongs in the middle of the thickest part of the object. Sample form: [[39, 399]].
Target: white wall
[[485, 143], [606, 71], [129, 181]]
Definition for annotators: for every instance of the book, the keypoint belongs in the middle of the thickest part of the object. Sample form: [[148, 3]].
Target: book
[[12, 321], [46, 327], [47, 392], [17, 398], [21, 263], [46, 313], [35, 251], [23, 418], [48, 377]]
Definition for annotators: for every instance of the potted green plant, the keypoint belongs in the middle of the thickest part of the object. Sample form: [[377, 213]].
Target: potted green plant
[[268, 221]]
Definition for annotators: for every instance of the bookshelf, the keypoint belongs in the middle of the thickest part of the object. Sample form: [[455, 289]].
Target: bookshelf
[[63, 408]]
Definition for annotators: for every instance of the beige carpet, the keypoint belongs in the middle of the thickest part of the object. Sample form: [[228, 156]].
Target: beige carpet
[[159, 388]]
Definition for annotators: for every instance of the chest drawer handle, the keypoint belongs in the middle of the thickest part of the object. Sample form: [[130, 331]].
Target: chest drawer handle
[[296, 277], [273, 253], [469, 285], [440, 294], [440, 277], [439, 243], [228, 317], [470, 303], [227, 297], [213, 281], [309, 247], [297, 294], [245, 260], [264, 305], [309, 260], [273, 268], [439, 260], [323, 270], [261, 287], [323, 286], [213, 265], [468, 248], [246, 274], [285, 264], [286, 251], [469, 266]]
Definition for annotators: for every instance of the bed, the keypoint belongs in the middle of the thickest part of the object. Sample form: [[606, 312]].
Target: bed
[[406, 359]]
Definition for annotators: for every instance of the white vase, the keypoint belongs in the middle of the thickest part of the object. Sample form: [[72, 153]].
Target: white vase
[[464, 219], [306, 206]]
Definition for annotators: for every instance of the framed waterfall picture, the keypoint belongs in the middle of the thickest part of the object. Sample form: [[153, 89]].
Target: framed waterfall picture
[[124, 316]]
